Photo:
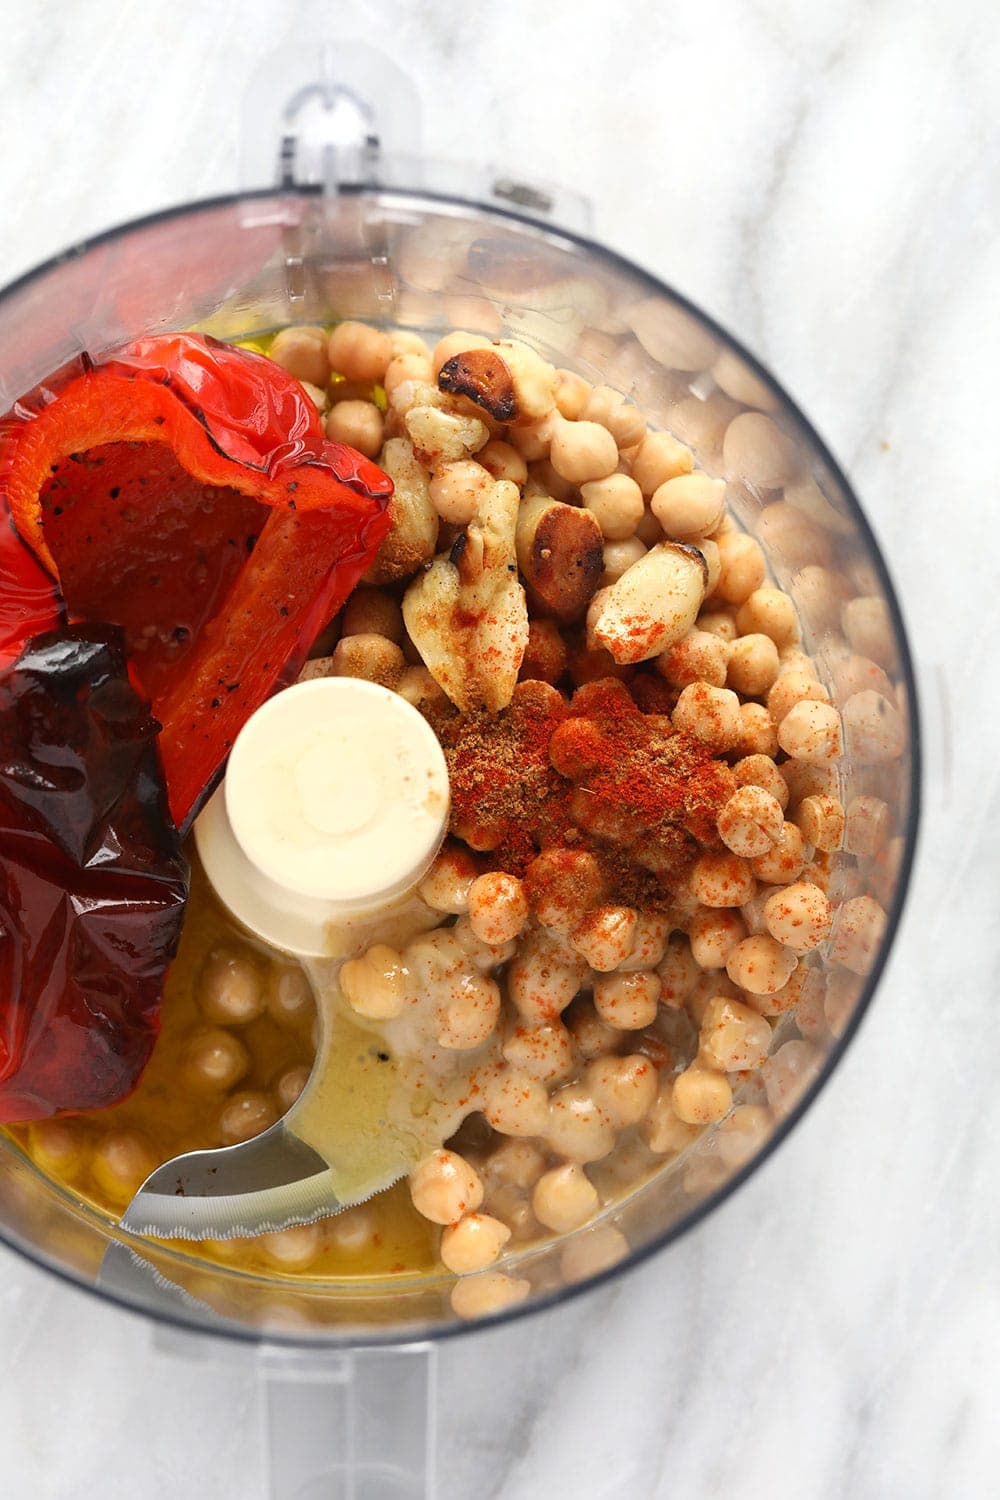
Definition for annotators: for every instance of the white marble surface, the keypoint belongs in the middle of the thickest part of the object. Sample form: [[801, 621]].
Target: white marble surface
[[826, 180]]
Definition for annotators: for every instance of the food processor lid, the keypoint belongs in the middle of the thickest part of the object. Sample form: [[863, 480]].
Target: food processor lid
[[334, 804]]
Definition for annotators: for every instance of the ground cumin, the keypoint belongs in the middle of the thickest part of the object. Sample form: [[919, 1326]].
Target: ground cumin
[[594, 775]]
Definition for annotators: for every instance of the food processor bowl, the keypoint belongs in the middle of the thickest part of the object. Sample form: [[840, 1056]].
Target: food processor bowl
[[412, 258]]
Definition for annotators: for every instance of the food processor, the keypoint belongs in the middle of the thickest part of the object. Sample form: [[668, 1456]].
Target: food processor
[[357, 225]]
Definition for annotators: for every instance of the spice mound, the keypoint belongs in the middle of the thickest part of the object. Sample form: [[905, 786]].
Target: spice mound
[[593, 775]]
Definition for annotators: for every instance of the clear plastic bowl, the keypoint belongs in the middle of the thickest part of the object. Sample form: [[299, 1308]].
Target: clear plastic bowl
[[242, 264]]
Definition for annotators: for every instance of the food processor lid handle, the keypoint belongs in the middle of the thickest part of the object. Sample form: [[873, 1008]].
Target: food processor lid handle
[[345, 115]]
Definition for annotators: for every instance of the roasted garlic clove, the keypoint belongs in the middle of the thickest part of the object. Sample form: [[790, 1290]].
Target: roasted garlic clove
[[413, 533], [507, 379], [467, 614], [653, 604], [560, 551]]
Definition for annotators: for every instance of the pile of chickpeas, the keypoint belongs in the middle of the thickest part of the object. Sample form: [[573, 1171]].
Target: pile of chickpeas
[[610, 1036]]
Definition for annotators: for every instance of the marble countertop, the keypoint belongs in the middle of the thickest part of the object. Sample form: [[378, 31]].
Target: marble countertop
[[827, 183]]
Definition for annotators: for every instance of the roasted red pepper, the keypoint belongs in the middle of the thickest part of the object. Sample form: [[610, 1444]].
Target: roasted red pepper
[[184, 490], [92, 879], [182, 500]]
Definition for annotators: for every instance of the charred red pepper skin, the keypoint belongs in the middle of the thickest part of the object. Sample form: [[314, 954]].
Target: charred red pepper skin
[[237, 424], [92, 878]]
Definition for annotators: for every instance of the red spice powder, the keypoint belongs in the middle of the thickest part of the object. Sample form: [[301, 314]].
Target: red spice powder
[[595, 775]]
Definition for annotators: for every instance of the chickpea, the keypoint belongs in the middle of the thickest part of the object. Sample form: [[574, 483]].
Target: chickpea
[[745, 1132], [516, 1163], [470, 1012], [733, 1038], [58, 1146], [315, 394], [302, 352], [769, 612], [498, 907], [735, 377], [589, 1254], [868, 825], [628, 1001], [542, 1052], [712, 985], [710, 714], [760, 965], [788, 1074], [649, 531], [821, 821], [489, 1292], [721, 879], [582, 451], [564, 1198], [606, 936], [293, 1249], [760, 770], [409, 370], [406, 341], [503, 461], [359, 424], [473, 1243], [244, 1116], [660, 458], [869, 630], [358, 352], [619, 557], [617, 504], [679, 970], [697, 657], [540, 982], [758, 452], [517, 1104], [812, 732], [121, 1163], [664, 1131], [444, 1187], [857, 674], [701, 1096], [714, 933], [563, 884], [749, 824], [373, 658], [784, 861], [289, 1086], [371, 611], [798, 917], [689, 506], [578, 1128], [591, 1036], [625, 422], [458, 489], [544, 657], [874, 729], [757, 733], [533, 441], [743, 568], [447, 883], [572, 392], [804, 780], [216, 1059], [418, 687], [231, 990], [624, 1087], [375, 985], [718, 621], [753, 665], [858, 930], [648, 943]]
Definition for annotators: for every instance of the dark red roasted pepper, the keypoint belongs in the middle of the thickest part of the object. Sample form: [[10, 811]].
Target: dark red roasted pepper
[[92, 879], [183, 489]]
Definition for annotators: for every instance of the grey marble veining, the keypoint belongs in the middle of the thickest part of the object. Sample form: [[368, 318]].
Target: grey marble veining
[[826, 181]]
